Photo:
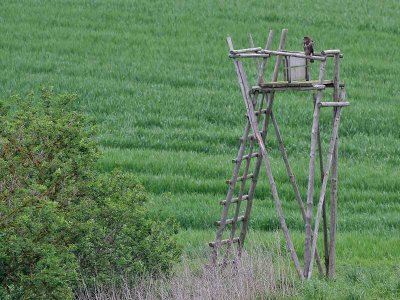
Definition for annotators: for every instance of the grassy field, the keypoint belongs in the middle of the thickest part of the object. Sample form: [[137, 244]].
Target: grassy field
[[156, 77]]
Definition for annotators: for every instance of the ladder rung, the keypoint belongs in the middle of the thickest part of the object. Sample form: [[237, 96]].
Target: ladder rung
[[263, 111], [230, 221], [223, 242], [241, 178], [334, 104], [251, 136], [234, 200], [236, 160]]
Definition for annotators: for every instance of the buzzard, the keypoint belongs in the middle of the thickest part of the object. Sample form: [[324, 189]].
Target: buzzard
[[309, 47]]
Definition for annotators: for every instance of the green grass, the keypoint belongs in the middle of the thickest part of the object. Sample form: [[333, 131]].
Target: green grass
[[156, 76]]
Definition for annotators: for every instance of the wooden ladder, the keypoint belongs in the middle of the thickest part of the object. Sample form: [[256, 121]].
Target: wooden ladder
[[238, 189], [262, 108]]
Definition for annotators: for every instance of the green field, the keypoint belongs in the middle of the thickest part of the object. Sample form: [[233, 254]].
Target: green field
[[157, 78]]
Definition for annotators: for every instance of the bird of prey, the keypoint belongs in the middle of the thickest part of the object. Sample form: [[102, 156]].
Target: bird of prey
[[309, 47]]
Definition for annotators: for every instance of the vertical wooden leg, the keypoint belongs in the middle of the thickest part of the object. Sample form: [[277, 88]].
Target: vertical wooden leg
[[324, 220], [339, 95], [310, 188], [323, 188], [334, 185]]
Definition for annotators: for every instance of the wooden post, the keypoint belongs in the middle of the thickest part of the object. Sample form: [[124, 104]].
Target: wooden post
[[323, 187], [264, 61], [324, 221], [334, 179], [310, 188], [251, 44], [293, 182]]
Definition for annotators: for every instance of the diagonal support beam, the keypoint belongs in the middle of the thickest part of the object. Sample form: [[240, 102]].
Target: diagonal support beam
[[260, 70], [254, 125], [328, 165], [264, 132], [310, 189], [293, 182], [339, 96]]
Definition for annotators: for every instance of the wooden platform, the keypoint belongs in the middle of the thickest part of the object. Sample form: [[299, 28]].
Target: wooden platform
[[293, 86]]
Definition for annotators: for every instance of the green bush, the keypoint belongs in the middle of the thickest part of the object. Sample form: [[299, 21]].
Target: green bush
[[61, 221]]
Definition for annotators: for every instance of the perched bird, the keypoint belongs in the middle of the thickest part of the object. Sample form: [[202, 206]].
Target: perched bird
[[309, 47]]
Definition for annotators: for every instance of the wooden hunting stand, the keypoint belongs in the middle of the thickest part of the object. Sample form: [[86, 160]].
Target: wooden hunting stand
[[259, 107]]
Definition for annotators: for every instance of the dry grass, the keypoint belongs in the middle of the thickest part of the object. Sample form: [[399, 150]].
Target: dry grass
[[259, 274]]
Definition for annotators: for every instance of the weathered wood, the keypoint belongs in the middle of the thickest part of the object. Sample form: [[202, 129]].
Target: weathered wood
[[285, 84], [274, 190], [267, 53], [250, 98], [243, 184], [288, 168], [234, 200], [254, 125], [282, 44], [246, 55], [264, 61], [251, 44], [247, 50], [284, 89], [334, 176], [263, 133], [308, 255], [224, 242], [324, 222], [336, 78], [241, 178], [253, 184], [242, 83], [262, 111], [323, 187], [292, 54], [236, 170], [328, 52], [247, 156], [333, 225], [334, 104], [229, 196], [292, 180], [293, 86], [322, 53], [230, 221]]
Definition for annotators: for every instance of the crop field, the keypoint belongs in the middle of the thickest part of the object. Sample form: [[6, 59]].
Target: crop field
[[156, 77]]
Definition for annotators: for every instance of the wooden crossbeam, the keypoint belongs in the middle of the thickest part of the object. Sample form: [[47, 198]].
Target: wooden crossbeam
[[234, 200], [248, 156], [231, 221], [334, 104]]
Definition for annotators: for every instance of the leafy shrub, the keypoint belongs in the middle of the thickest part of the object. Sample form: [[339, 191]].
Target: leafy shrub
[[61, 221]]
